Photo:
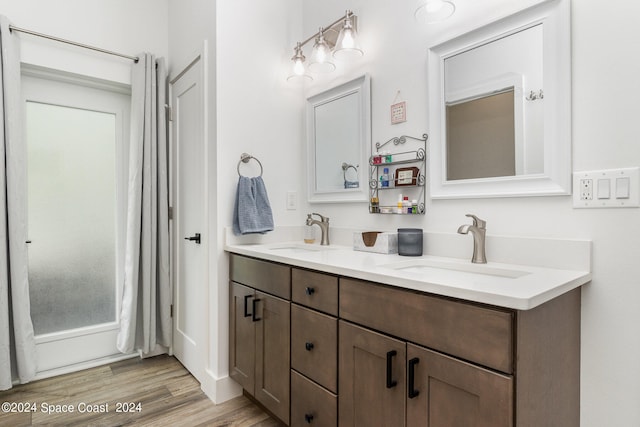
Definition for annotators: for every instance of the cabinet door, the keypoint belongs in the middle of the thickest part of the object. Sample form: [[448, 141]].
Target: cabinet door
[[447, 392], [372, 378], [272, 354], [242, 336]]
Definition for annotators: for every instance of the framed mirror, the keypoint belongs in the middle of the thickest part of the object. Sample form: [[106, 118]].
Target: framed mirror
[[500, 108], [338, 136]]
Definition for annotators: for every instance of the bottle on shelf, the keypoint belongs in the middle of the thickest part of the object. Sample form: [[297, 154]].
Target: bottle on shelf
[[406, 205], [384, 179], [414, 206], [399, 209]]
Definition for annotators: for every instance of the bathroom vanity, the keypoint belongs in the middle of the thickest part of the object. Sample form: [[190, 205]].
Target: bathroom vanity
[[337, 337]]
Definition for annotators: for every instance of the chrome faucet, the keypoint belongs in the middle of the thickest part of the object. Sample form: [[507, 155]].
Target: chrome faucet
[[324, 227], [478, 230]]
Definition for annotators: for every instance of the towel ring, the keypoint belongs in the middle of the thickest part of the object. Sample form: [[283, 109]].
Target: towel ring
[[244, 158]]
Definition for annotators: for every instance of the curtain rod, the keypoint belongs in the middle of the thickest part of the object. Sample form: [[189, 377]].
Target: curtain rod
[[58, 39]]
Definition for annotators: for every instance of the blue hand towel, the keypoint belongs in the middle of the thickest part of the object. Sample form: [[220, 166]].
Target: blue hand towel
[[252, 211]]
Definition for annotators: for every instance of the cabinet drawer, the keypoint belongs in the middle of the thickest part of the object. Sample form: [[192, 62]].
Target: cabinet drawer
[[310, 400], [315, 290], [314, 346], [274, 279], [474, 333]]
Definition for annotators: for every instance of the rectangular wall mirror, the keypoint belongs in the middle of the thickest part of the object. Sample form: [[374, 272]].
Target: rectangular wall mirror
[[500, 107], [338, 135]]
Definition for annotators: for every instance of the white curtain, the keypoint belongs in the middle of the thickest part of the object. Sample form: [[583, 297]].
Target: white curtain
[[17, 345], [145, 314]]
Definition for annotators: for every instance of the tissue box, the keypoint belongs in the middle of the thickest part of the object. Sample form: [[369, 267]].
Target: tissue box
[[385, 243]]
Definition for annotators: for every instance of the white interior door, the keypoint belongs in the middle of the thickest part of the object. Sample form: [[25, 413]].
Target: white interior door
[[76, 131], [189, 213]]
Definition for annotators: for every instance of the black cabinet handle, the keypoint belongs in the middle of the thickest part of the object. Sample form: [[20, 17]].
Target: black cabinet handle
[[195, 238], [246, 298], [308, 346], [412, 378], [308, 418], [390, 382], [310, 291], [253, 315]]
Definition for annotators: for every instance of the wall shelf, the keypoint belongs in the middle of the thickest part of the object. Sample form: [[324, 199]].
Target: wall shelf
[[392, 159]]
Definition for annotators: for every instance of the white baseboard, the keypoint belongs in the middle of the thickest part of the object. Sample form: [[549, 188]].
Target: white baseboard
[[220, 389]]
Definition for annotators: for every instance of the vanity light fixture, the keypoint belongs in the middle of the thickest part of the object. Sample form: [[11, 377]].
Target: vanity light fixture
[[320, 61], [339, 39], [434, 10]]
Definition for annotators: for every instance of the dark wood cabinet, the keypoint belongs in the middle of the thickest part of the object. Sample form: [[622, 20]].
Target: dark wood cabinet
[[259, 335], [372, 379], [318, 349], [446, 392], [242, 336]]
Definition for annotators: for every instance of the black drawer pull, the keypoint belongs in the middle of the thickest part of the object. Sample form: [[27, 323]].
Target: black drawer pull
[[390, 382], [246, 298], [253, 315], [308, 418], [412, 378], [309, 290], [308, 346]]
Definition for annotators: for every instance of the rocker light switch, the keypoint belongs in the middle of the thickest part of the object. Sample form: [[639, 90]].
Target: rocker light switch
[[622, 188], [604, 188]]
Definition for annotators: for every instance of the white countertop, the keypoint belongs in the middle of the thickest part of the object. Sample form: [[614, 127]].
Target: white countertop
[[534, 285]]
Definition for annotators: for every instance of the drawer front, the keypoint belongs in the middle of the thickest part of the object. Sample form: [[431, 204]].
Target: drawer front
[[311, 404], [470, 332], [274, 279], [314, 346], [316, 290]]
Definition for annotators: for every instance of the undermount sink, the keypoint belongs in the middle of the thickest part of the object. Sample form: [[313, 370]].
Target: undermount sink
[[302, 247], [425, 265]]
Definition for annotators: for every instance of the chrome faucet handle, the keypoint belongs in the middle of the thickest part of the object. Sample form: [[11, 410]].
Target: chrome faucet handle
[[322, 218], [477, 222]]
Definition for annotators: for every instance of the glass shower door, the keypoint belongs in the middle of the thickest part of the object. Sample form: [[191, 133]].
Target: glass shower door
[[71, 173], [74, 136]]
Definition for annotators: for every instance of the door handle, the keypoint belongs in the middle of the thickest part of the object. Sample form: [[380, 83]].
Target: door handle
[[390, 382], [246, 298], [195, 238], [412, 378], [254, 303]]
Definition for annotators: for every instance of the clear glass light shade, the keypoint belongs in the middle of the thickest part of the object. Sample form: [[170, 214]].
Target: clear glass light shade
[[298, 71], [434, 10], [320, 61], [347, 46]]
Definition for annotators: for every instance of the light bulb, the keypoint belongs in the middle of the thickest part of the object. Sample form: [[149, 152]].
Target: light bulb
[[298, 67], [347, 40]]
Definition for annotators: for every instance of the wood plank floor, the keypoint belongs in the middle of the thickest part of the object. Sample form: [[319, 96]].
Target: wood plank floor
[[167, 393]]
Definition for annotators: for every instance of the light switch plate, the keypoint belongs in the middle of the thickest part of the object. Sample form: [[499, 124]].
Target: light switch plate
[[613, 188], [292, 200]]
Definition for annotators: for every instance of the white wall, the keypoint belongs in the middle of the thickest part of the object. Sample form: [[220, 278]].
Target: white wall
[[605, 112], [124, 26], [251, 109]]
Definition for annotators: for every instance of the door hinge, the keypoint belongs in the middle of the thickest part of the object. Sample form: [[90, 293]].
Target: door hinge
[[169, 111], [170, 212], [171, 310]]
